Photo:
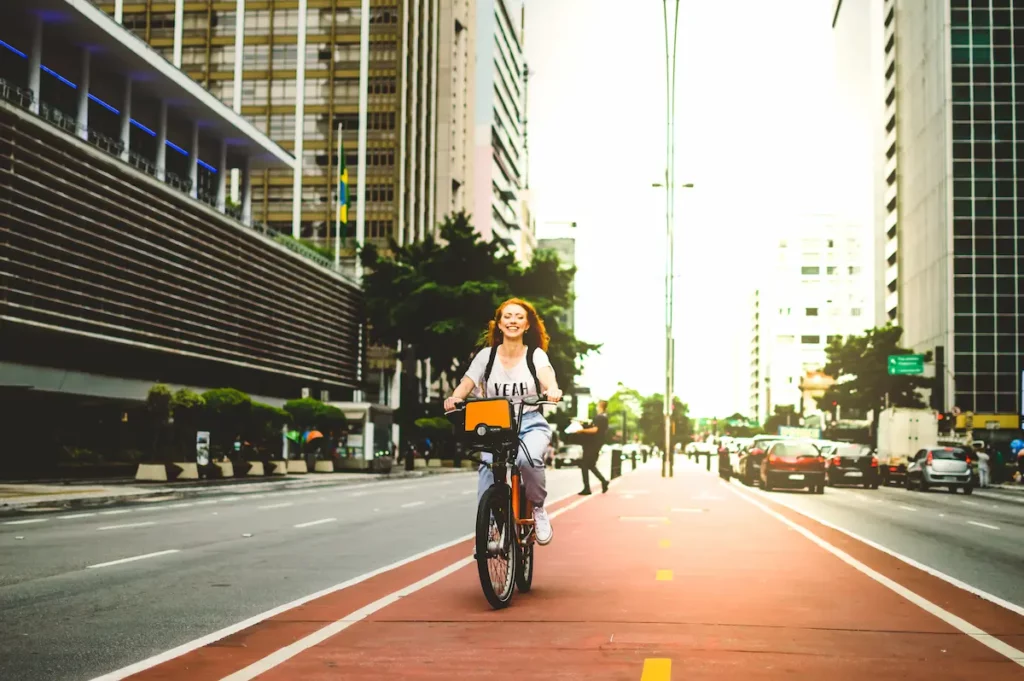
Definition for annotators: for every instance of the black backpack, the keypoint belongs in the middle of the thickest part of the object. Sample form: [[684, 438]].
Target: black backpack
[[529, 364]]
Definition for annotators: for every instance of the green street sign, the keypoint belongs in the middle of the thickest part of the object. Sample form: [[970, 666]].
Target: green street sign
[[904, 365]]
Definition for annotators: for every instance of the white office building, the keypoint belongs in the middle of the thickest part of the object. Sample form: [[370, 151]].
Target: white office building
[[500, 163], [812, 287]]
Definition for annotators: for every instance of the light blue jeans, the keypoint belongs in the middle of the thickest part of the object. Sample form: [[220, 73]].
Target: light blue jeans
[[535, 434]]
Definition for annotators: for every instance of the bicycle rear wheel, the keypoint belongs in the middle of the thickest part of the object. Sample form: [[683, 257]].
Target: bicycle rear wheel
[[496, 549], [524, 572]]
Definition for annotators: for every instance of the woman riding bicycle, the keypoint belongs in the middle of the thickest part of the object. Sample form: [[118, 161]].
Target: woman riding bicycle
[[515, 328]]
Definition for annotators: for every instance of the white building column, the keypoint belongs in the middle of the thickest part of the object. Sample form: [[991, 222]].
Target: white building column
[[193, 161], [246, 193], [222, 174], [83, 97], [179, 26], [422, 163], [402, 108], [118, 11], [126, 118], [161, 142], [35, 57], [236, 102], [300, 115]]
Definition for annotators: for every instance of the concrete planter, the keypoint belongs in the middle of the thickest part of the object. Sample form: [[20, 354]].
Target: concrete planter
[[433, 463], [351, 464], [297, 466], [152, 472], [447, 463], [186, 470], [419, 463], [279, 467], [324, 467], [469, 464], [255, 469], [227, 470]]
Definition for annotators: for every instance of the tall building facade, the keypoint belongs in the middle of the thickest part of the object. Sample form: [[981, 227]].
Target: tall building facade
[[857, 39], [814, 288], [500, 136], [954, 240], [292, 67]]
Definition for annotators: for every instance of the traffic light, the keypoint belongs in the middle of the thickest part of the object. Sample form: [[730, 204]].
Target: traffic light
[[946, 421]]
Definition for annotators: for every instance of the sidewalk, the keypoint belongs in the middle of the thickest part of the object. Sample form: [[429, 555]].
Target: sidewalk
[[659, 579], [79, 494]]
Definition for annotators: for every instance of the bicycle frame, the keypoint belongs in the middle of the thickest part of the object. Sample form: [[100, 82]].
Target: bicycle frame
[[499, 467]]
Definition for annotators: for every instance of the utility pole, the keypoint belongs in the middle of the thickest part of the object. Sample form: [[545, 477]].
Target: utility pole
[[670, 92]]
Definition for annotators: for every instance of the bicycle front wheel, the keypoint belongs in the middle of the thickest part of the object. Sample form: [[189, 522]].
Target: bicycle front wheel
[[496, 548]]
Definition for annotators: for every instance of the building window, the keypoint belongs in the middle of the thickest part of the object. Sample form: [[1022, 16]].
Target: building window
[[830, 270], [810, 270], [811, 312], [810, 340], [833, 338], [854, 269], [855, 312]]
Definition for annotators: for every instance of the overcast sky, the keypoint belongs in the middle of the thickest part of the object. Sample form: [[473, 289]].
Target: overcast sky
[[754, 95]]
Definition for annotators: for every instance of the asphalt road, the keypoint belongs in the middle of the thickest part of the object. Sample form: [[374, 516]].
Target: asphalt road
[[978, 539], [72, 610]]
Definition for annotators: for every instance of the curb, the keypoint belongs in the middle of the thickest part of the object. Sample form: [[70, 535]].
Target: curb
[[225, 488]]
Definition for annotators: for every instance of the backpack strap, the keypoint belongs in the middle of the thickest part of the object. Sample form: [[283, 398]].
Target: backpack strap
[[533, 369], [490, 365]]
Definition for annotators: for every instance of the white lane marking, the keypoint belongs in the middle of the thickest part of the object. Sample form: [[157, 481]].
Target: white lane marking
[[26, 522], [76, 515], [209, 501], [985, 525], [126, 525], [286, 653], [469, 491], [315, 522], [942, 515], [907, 508], [185, 648], [991, 598], [118, 512], [687, 510], [962, 625], [360, 494], [411, 504], [133, 559], [228, 499], [969, 503], [270, 506], [644, 519]]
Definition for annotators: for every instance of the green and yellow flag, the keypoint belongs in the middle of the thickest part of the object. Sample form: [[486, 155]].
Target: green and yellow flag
[[342, 187]]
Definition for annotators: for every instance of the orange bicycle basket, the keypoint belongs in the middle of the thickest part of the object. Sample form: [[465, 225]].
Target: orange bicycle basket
[[496, 413]]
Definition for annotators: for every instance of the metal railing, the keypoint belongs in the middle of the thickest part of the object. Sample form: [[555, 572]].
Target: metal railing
[[17, 96], [24, 98]]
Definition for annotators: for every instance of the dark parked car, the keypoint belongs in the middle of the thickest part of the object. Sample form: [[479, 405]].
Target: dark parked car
[[948, 467], [850, 464], [748, 462], [793, 464]]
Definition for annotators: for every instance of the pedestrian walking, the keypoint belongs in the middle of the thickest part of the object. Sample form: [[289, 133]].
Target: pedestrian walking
[[983, 465], [595, 435]]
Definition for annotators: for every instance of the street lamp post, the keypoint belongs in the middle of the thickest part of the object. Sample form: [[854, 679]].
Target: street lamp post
[[670, 95], [670, 354]]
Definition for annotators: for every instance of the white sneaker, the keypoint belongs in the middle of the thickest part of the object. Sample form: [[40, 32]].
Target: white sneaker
[[542, 526]]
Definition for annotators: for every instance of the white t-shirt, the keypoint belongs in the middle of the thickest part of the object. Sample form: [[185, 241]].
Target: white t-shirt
[[514, 383]]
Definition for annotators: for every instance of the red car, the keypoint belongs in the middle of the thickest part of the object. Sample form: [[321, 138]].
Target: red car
[[794, 465]]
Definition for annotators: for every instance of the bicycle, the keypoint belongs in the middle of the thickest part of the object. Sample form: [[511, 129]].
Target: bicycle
[[503, 550]]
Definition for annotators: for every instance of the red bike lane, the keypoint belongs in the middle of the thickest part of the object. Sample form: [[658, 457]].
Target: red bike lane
[[659, 579]]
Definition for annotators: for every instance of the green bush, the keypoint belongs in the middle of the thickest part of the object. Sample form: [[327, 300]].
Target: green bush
[[187, 408], [310, 413], [226, 412], [158, 408], [265, 423]]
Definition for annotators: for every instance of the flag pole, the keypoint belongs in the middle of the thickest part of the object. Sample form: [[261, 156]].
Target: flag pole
[[337, 212]]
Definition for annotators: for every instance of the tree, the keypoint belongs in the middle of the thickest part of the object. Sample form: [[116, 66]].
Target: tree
[[227, 412], [785, 415], [436, 295], [158, 407], [860, 366], [652, 421], [309, 413], [265, 424], [628, 402], [187, 407]]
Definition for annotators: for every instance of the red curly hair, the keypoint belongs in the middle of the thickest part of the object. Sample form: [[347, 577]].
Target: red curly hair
[[536, 335]]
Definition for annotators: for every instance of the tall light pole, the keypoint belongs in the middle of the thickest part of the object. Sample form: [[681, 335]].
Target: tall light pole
[[670, 96]]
